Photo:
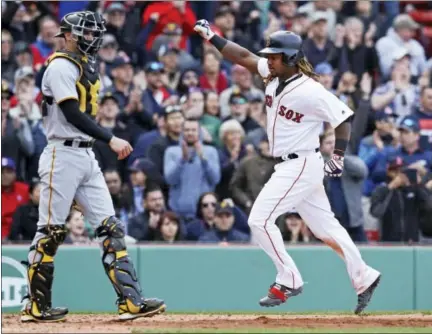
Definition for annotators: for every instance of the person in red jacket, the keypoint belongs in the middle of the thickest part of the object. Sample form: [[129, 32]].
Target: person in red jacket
[[213, 78], [178, 12], [13, 194]]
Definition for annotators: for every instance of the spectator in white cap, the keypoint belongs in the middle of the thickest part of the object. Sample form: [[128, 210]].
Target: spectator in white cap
[[323, 6], [401, 35], [25, 92]]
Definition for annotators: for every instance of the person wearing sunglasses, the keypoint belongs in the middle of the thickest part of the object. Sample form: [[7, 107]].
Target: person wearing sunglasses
[[205, 215]]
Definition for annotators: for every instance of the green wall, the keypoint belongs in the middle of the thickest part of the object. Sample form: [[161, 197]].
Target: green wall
[[195, 278]]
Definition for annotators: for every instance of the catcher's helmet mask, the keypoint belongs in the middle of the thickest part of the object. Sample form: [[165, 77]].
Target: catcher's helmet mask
[[83, 25], [286, 43]]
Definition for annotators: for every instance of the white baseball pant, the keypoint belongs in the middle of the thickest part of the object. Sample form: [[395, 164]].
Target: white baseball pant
[[297, 185]]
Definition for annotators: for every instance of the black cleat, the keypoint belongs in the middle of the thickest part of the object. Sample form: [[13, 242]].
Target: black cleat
[[365, 297], [150, 308]]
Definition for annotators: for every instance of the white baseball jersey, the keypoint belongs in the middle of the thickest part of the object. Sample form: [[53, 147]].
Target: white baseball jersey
[[295, 116], [59, 81]]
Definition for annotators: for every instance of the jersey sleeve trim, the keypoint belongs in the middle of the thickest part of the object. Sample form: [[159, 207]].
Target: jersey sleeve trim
[[67, 98]]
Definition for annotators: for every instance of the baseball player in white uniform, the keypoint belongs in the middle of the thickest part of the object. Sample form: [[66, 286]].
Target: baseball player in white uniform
[[297, 105], [69, 171]]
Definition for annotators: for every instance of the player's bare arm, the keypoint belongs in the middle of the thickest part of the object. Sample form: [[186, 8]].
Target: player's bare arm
[[230, 50]]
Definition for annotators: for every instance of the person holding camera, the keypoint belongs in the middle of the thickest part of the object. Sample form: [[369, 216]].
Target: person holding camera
[[400, 204]]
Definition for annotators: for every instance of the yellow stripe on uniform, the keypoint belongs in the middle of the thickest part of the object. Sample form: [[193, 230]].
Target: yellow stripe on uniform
[[50, 185]]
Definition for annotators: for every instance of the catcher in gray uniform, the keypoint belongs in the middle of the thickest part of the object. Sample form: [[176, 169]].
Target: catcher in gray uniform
[[69, 172]]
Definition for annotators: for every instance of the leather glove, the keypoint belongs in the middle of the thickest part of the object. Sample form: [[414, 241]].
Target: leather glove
[[202, 27], [334, 166]]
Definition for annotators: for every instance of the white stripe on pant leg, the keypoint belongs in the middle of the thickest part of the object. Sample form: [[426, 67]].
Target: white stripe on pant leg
[[317, 214]]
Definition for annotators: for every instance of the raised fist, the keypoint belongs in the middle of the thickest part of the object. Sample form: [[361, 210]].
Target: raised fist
[[202, 27]]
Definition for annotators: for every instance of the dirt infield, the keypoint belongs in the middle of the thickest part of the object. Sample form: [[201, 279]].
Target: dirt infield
[[99, 323]]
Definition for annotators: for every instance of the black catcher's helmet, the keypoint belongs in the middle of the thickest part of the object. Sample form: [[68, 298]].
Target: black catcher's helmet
[[287, 43], [87, 28]]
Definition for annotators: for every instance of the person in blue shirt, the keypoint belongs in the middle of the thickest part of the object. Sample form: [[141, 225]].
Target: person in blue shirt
[[190, 169], [223, 230], [409, 150]]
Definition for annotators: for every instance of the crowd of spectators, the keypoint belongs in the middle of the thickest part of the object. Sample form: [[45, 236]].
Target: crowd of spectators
[[197, 122]]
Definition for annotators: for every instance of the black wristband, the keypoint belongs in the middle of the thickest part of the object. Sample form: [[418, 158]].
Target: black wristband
[[340, 147], [218, 42]]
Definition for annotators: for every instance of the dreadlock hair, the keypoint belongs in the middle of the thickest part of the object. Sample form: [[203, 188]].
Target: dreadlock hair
[[306, 68]]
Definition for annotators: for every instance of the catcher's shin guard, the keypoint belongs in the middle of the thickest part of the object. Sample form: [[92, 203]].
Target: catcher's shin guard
[[40, 274], [121, 272]]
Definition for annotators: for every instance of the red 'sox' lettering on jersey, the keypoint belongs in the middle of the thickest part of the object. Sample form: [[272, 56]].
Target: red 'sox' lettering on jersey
[[290, 114], [269, 101]]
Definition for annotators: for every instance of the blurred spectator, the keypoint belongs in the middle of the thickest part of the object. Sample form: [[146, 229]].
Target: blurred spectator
[[426, 211], [223, 230], [107, 115], [384, 135], [189, 78], [116, 20], [156, 96], [251, 175], [285, 11], [239, 106], [122, 76], [174, 123], [225, 22], [352, 53], [293, 228], [231, 136], [398, 203], [168, 56], [168, 228], [8, 61], [248, 19], [143, 173], [17, 139], [401, 36], [212, 106], [108, 52], [23, 19], [242, 81], [205, 214], [318, 47], [190, 169], [345, 193], [44, 45], [424, 114], [213, 78], [23, 54], [364, 11], [301, 24], [398, 93], [120, 198], [323, 8], [178, 12], [75, 224], [409, 150], [13, 194], [143, 227], [25, 219]]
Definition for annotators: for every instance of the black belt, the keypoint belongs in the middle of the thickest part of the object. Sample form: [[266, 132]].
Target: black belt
[[81, 144], [290, 157]]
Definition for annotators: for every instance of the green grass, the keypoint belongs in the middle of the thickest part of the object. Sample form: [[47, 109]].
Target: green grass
[[288, 330]]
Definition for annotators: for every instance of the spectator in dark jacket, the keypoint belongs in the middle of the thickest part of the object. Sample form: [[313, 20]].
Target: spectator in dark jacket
[[233, 150], [143, 173], [239, 106], [25, 219], [121, 199], [251, 175], [399, 203], [143, 226], [190, 169], [206, 206], [8, 61], [122, 75], [174, 123], [108, 112], [223, 230], [156, 96], [319, 47]]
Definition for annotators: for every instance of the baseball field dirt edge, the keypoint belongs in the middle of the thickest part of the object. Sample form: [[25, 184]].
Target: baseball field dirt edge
[[228, 322]]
